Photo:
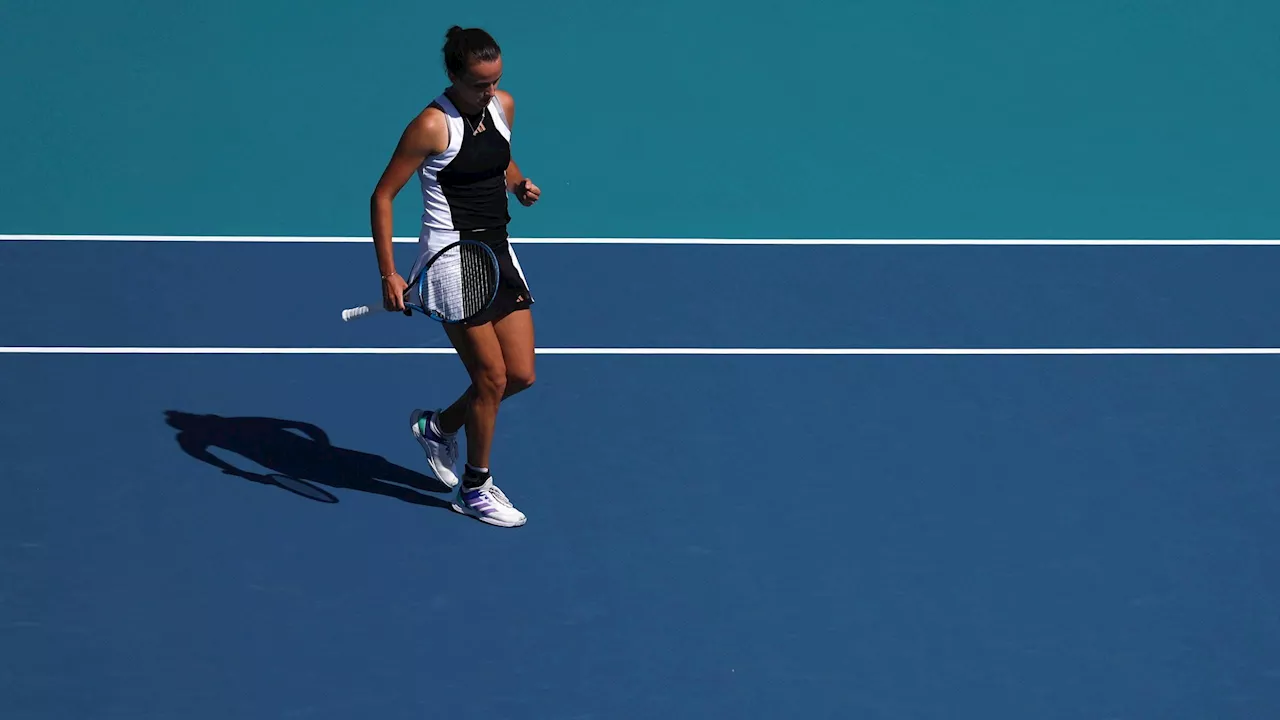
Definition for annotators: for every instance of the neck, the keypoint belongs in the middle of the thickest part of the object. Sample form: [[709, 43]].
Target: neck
[[464, 108]]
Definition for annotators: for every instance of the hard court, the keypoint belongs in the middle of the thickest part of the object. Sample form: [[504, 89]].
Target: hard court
[[897, 361]]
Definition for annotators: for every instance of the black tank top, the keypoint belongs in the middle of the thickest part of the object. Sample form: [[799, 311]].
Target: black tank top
[[465, 187]]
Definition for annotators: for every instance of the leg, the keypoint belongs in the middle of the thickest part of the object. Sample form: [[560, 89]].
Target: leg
[[515, 336], [484, 355], [477, 409]]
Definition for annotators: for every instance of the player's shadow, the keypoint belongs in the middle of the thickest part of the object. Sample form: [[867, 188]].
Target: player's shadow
[[298, 454]]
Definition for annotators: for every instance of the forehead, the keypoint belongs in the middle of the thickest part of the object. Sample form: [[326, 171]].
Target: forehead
[[486, 71]]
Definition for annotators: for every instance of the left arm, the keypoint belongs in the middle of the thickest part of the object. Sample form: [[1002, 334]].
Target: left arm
[[517, 184]]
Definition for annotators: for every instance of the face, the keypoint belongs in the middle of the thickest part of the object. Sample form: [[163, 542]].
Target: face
[[478, 85]]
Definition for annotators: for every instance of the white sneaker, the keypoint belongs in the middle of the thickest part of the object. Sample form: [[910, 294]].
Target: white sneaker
[[441, 450], [488, 504]]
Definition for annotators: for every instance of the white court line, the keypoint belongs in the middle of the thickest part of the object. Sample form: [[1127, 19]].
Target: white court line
[[653, 241], [93, 350]]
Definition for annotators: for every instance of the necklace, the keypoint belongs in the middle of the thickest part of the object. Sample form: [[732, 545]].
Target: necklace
[[477, 129]]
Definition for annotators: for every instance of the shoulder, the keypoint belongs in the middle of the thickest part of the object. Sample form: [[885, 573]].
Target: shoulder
[[508, 105], [428, 132], [431, 120]]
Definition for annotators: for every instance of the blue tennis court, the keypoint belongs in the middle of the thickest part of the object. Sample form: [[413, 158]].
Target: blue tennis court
[[800, 462]]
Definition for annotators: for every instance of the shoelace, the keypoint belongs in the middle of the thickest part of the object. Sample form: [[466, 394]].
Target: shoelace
[[450, 445], [497, 495]]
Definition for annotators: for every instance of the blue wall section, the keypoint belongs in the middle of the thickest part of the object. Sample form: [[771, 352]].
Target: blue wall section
[[859, 119]]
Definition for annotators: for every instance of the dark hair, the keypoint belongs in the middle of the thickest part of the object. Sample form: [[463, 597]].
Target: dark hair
[[465, 46]]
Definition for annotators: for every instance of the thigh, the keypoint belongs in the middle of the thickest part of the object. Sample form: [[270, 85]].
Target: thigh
[[478, 348], [514, 334]]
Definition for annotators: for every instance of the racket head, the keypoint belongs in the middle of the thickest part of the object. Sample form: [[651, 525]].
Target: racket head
[[458, 283]]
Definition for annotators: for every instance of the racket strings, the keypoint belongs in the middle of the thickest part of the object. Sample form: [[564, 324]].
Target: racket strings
[[478, 279], [460, 282]]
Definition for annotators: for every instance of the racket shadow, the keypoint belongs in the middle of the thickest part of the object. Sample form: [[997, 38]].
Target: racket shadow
[[299, 456]]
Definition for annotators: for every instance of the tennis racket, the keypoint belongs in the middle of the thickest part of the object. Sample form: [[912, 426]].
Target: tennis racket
[[459, 282]]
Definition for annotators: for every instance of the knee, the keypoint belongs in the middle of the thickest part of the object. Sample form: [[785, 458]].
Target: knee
[[490, 382], [519, 379]]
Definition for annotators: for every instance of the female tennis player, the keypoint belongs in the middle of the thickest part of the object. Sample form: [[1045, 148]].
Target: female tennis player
[[459, 146]]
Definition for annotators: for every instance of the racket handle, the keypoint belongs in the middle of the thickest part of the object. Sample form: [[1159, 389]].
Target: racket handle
[[357, 312]]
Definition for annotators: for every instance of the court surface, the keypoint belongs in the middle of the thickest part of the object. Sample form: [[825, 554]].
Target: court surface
[[868, 477]]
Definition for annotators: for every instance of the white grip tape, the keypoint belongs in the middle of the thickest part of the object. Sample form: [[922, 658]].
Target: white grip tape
[[357, 312]]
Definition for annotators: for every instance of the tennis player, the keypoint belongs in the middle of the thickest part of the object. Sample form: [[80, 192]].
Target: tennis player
[[460, 149]]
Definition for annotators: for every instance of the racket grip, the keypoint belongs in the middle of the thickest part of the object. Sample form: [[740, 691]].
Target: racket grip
[[357, 312]]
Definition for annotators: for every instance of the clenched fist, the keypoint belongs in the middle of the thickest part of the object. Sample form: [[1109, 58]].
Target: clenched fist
[[526, 192]]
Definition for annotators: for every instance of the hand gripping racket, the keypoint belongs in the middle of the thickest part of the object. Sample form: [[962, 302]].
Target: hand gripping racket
[[457, 283]]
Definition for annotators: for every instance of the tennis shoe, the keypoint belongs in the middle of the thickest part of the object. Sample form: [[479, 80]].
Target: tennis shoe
[[488, 504], [441, 450]]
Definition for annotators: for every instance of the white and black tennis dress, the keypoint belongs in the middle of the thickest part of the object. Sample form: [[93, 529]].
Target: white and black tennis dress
[[464, 196]]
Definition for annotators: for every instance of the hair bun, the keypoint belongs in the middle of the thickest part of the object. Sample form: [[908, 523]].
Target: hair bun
[[465, 46]]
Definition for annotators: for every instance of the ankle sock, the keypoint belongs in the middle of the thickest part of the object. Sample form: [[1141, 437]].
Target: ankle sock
[[474, 476], [433, 426]]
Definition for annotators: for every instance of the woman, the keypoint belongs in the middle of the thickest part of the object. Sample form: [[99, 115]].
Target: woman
[[459, 147]]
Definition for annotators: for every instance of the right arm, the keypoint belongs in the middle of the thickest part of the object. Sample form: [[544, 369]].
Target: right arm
[[426, 135]]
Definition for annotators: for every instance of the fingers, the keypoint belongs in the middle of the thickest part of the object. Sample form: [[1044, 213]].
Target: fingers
[[529, 193], [393, 289]]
